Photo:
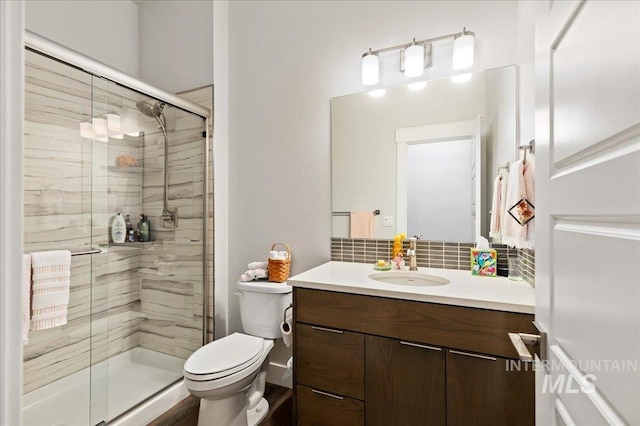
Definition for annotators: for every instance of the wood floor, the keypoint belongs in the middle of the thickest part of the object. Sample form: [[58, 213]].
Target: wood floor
[[185, 413]]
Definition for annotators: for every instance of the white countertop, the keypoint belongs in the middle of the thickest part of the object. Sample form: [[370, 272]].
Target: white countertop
[[497, 293]]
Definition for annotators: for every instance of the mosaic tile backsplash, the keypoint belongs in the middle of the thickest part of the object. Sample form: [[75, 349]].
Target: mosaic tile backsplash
[[430, 254]]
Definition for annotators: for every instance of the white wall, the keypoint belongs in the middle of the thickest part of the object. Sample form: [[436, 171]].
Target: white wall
[[527, 81], [176, 44], [106, 31], [286, 61]]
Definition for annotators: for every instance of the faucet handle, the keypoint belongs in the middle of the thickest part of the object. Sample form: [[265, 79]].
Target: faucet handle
[[417, 237]]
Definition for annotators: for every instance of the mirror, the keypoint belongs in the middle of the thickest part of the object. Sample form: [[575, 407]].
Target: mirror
[[425, 159]]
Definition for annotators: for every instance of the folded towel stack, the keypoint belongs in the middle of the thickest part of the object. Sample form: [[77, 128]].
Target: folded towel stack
[[255, 271], [51, 280]]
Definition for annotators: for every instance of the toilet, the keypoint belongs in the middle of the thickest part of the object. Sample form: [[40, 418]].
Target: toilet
[[229, 374]]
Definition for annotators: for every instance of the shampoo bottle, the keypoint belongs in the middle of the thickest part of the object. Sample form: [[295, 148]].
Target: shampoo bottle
[[145, 228], [118, 229]]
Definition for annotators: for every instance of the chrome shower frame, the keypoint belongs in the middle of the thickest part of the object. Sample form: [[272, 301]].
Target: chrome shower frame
[[78, 60]]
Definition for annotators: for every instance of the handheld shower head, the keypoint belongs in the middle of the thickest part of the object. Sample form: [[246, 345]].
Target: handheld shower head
[[153, 111]]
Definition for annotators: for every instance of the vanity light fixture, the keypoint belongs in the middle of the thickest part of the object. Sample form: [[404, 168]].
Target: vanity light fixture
[[370, 68], [463, 49], [417, 55]]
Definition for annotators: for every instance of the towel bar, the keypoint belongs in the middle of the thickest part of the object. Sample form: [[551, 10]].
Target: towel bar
[[82, 253]]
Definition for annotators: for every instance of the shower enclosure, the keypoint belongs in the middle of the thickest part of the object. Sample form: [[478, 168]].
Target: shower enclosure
[[95, 147]]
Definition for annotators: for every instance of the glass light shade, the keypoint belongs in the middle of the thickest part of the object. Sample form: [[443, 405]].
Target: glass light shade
[[99, 127], [377, 93], [113, 122], [370, 69], [418, 85], [414, 60], [463, 47], [461, 78], [86, 130]]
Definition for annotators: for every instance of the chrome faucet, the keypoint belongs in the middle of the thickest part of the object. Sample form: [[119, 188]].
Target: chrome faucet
[[411, 252]]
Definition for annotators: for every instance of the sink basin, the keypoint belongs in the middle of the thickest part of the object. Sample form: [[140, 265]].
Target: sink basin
[[411, 278]]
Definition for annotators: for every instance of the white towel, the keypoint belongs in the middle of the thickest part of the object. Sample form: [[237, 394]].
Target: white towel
[[498, 206], [513, 233], [26, 297], [361, 224], [51, 280], [258, 265]]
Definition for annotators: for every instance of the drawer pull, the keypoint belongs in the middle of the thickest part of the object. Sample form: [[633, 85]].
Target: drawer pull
[[327, 329], [327, 394], [490, 358], [416, 345]]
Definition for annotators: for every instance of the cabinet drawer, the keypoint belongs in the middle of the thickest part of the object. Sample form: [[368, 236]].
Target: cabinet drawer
[[316, 407], [330, 360], [472, 329]]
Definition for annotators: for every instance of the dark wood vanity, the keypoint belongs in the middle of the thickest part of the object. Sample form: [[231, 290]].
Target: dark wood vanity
[[381, 361]]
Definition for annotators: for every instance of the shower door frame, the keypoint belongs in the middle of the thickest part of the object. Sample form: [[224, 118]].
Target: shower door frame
[[63, 54]]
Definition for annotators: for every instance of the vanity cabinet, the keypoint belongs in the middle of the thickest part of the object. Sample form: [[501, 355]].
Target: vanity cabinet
[[380, 361]]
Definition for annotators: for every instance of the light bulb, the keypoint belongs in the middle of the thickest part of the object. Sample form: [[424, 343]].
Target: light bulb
[[99, 127], [86, 130], [113, 122], [370, 69], [463, 47], [414, 60]]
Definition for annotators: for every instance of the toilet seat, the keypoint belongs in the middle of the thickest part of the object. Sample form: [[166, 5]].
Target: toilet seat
[[224, 357]]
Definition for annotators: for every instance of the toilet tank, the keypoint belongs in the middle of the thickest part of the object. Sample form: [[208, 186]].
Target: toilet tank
[[262, 305]]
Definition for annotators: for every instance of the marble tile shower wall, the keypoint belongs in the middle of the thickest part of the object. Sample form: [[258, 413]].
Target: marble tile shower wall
[[145, 295], [171, 272], [430, 254]]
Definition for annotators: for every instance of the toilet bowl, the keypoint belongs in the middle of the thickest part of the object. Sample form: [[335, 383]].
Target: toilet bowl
[[229, 374]]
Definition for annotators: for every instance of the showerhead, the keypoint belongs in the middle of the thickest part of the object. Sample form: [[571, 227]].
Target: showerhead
[[153, 111]]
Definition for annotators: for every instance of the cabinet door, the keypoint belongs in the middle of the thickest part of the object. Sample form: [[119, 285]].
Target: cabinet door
[[486, 390], [405, 383]]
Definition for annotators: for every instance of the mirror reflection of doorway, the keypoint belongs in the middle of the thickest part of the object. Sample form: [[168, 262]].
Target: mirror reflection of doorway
[[440, 190]]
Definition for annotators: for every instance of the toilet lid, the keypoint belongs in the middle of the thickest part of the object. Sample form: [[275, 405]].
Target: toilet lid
[[233, 352]]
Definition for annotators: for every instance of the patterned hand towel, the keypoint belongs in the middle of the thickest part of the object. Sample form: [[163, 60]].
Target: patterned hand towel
[[26, 297], [51, 280]]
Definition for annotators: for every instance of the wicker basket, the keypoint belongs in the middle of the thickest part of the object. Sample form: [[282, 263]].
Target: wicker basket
[[279, 269]]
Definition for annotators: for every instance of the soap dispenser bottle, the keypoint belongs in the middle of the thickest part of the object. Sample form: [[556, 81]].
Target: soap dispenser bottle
[[118, 229]]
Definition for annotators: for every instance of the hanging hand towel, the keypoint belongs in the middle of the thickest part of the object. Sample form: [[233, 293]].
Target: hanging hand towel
[[530, 189], [362, 224], [26, 297], [497, 207], [50, 286], [518, 210]]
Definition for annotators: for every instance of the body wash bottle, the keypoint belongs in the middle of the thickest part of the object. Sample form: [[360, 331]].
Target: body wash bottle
[[118, 229]]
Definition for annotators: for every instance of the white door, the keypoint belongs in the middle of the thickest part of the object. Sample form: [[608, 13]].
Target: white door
[[588, 211]]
